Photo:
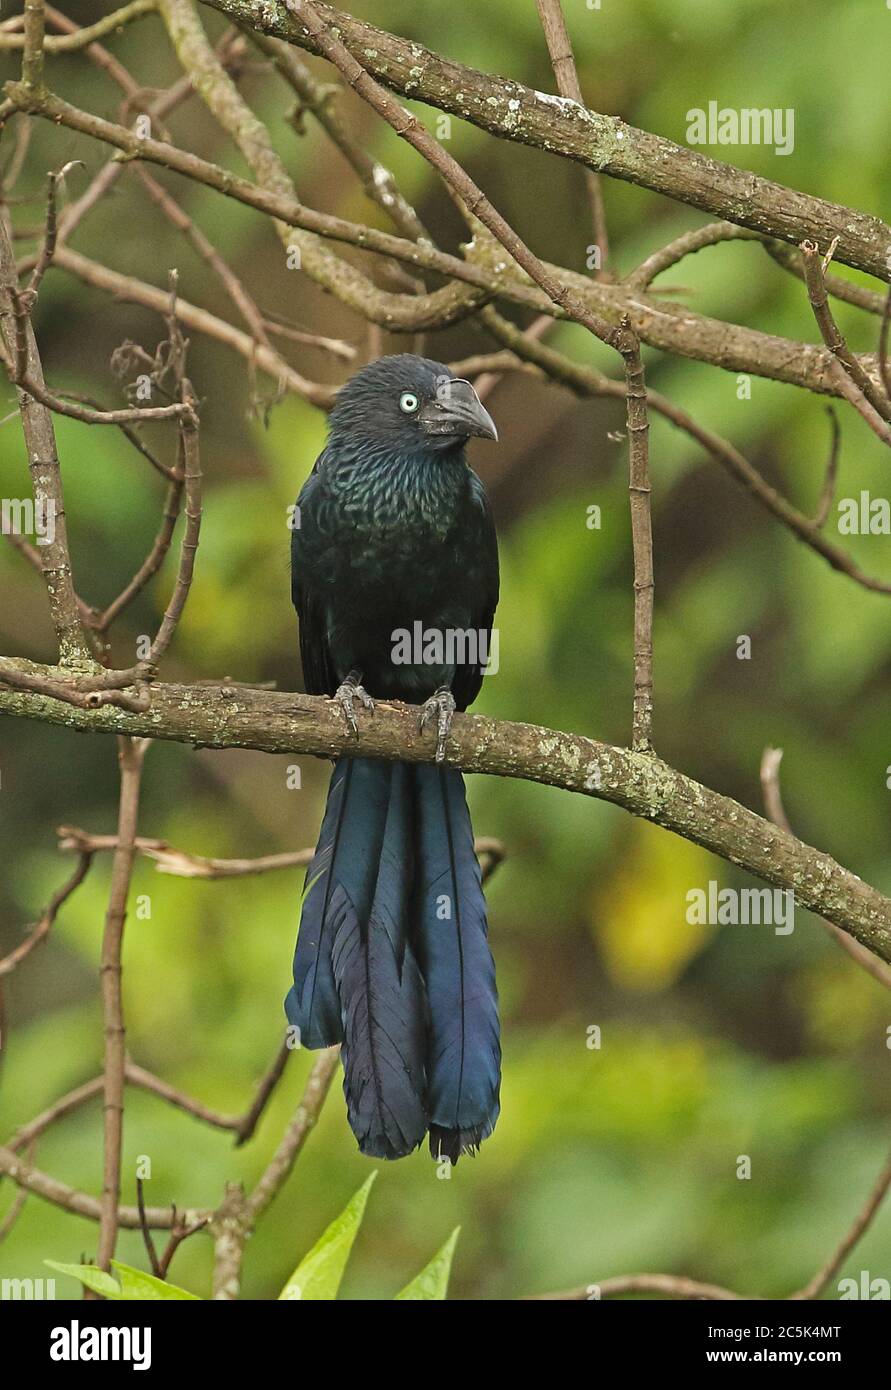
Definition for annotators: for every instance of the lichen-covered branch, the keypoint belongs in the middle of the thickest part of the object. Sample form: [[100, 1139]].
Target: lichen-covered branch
[[657, 323], [278, 722], [43, 463], [606, 144]]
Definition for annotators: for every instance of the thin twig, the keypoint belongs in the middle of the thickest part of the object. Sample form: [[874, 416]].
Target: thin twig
[[54, 178], [44, 925], [686, 245], [192, 484], [773, 805], [80, 695], [821, 515], [584, 381], [109, 24], [184, 865], [816, 1286], [305, 1116], [557, 38], [321, 100], [193, 317], [131, 753], [32, 42], [46, 477], [884, 370], [789, 257], [642, 542], [68, 1103], [147, 1240], [152, 562], [671, 1285], [814, 270], [79, 1203]]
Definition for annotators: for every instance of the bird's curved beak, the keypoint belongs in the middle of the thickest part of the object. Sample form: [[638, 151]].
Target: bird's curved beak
[[457, 411]]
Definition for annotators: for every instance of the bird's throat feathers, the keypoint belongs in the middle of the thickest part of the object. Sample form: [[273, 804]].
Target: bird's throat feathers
[[378, 486]]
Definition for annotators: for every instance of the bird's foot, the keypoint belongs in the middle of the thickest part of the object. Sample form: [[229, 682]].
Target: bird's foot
[[346, 694], [441, 707]]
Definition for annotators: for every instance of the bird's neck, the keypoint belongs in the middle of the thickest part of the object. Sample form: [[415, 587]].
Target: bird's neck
[[385, 486]]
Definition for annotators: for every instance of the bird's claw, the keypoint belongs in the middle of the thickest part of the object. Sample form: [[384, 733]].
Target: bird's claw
[[441, 707], [345, 695]]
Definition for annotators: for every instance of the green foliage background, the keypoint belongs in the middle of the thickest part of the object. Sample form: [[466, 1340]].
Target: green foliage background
[[715, 1043]]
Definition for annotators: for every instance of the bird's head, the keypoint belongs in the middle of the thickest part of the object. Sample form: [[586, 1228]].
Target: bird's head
[[410, 404]]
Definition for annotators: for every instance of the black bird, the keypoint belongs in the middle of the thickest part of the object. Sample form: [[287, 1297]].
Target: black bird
[[395, 582]]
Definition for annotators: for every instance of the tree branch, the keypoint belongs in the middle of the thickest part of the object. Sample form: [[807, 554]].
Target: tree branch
[[279, 722], [43, 462], [671, 329], [550, 12], [130, 756], [605, 144]]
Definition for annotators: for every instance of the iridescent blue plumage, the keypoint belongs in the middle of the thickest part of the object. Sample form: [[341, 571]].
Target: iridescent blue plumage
[[450, 935]]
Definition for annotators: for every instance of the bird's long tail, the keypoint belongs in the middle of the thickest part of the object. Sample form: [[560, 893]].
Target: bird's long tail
[[356, 979], [393, 960], [451, 937]]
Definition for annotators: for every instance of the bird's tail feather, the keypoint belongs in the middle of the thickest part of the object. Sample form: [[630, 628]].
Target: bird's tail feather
[[382, 996], [346, 857], [355, 976], [393, 960], [451, 936]]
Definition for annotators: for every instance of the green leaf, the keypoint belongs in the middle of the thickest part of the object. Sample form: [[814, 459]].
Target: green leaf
[[318, 1275], [134, 1283], [433, 1280], [93, 1278]]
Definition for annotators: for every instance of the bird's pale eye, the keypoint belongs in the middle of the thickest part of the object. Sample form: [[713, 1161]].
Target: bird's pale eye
[[408, 402]]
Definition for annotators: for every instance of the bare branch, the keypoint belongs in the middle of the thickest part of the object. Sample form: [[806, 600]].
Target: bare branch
[[586, 382], [557, 38], [821, 515], [192, 484], [278, 721], [773, 805], [71, 43], [131, 753], [194, 318], [82, 1204], [184, 865], [729, 346], [642, 542], [686, 245], [606, 144], [33, 40], [307, 1113], [671, 1285], [814, 269], [44, 925], [321, 100], [830, 1269], [46, 476]]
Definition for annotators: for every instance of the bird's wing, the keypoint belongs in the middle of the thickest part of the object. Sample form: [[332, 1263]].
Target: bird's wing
[[480, 544], [307, 546]]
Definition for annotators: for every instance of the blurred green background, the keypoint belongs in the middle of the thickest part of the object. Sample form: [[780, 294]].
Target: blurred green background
[[715, 1042]]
